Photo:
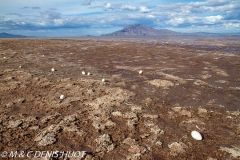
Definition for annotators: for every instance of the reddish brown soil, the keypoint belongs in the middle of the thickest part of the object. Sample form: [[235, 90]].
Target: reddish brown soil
[[184, 87]]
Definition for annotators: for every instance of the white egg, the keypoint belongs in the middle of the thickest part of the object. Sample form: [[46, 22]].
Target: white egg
[[103, 80], [83, 73], [20, 67], [88, 73], [52, 69], [140, 72], [196, 135], [62, 96]]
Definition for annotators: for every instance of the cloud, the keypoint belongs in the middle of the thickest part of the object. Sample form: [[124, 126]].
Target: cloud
[[150, 16], [15, 14], [216, 2], [27, 7], [50, 15], [128, 8], [144, 9], [108, 6], [87, 2], [176, 21], [212, 19], [36, 8]]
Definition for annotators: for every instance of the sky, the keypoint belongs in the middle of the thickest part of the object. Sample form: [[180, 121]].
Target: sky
[[96, 17]]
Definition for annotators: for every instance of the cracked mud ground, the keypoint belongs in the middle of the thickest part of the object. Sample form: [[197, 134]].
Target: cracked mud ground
[[184, 86]]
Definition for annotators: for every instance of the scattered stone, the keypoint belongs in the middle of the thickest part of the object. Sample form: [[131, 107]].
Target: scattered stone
[[73, 128], [200, 83], [144, 135], [150, 116], [21, 100], [137, 149], [129, 141], [104, 143], [234, 113], [235, 88], [153, 127], [46, 139], [117, 113], [140, 72], [202, 111], [210, 158], [14, 124], [34, 128], [47, 118], [206, 76], [222, 81], [136, 156], [177, 148], [159, 143], [176, 109], [234, 152], [130, 115], [172, 77], [185, 113], [148, 101], [220, 72], [161, 83], [136, 108], [98, 125], [68, 119], [134, 147], [182, 112], [131, 124]]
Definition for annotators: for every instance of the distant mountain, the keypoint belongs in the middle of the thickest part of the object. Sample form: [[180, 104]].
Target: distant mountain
[[7, 35], [141, 30]]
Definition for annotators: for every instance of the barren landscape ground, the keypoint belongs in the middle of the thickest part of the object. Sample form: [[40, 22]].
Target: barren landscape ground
[[188, 83]]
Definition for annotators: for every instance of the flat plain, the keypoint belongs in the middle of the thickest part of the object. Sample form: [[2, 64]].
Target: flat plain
[[187, 83]]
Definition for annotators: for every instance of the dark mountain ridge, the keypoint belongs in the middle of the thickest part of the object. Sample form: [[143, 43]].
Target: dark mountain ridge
[[7, 35], [141, 30]]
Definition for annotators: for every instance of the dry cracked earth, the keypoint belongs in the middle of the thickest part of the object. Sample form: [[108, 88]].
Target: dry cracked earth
[[186, 85]]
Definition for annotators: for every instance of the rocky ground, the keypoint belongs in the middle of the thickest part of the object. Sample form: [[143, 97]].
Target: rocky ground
[[185, 86]]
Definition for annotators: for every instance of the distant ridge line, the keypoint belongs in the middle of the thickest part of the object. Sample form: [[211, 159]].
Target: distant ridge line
[[141, 30], [7, 35]]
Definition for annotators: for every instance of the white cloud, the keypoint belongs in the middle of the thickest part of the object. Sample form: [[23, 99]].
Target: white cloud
[[108, 6], [129, 8], [58, 22], [150, 16], [232, 25], [212, 19], [144, 9], [87, 2], [176, 21]]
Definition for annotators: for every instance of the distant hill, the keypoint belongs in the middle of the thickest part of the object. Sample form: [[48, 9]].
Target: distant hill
[[7, 35], [141, 30]]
